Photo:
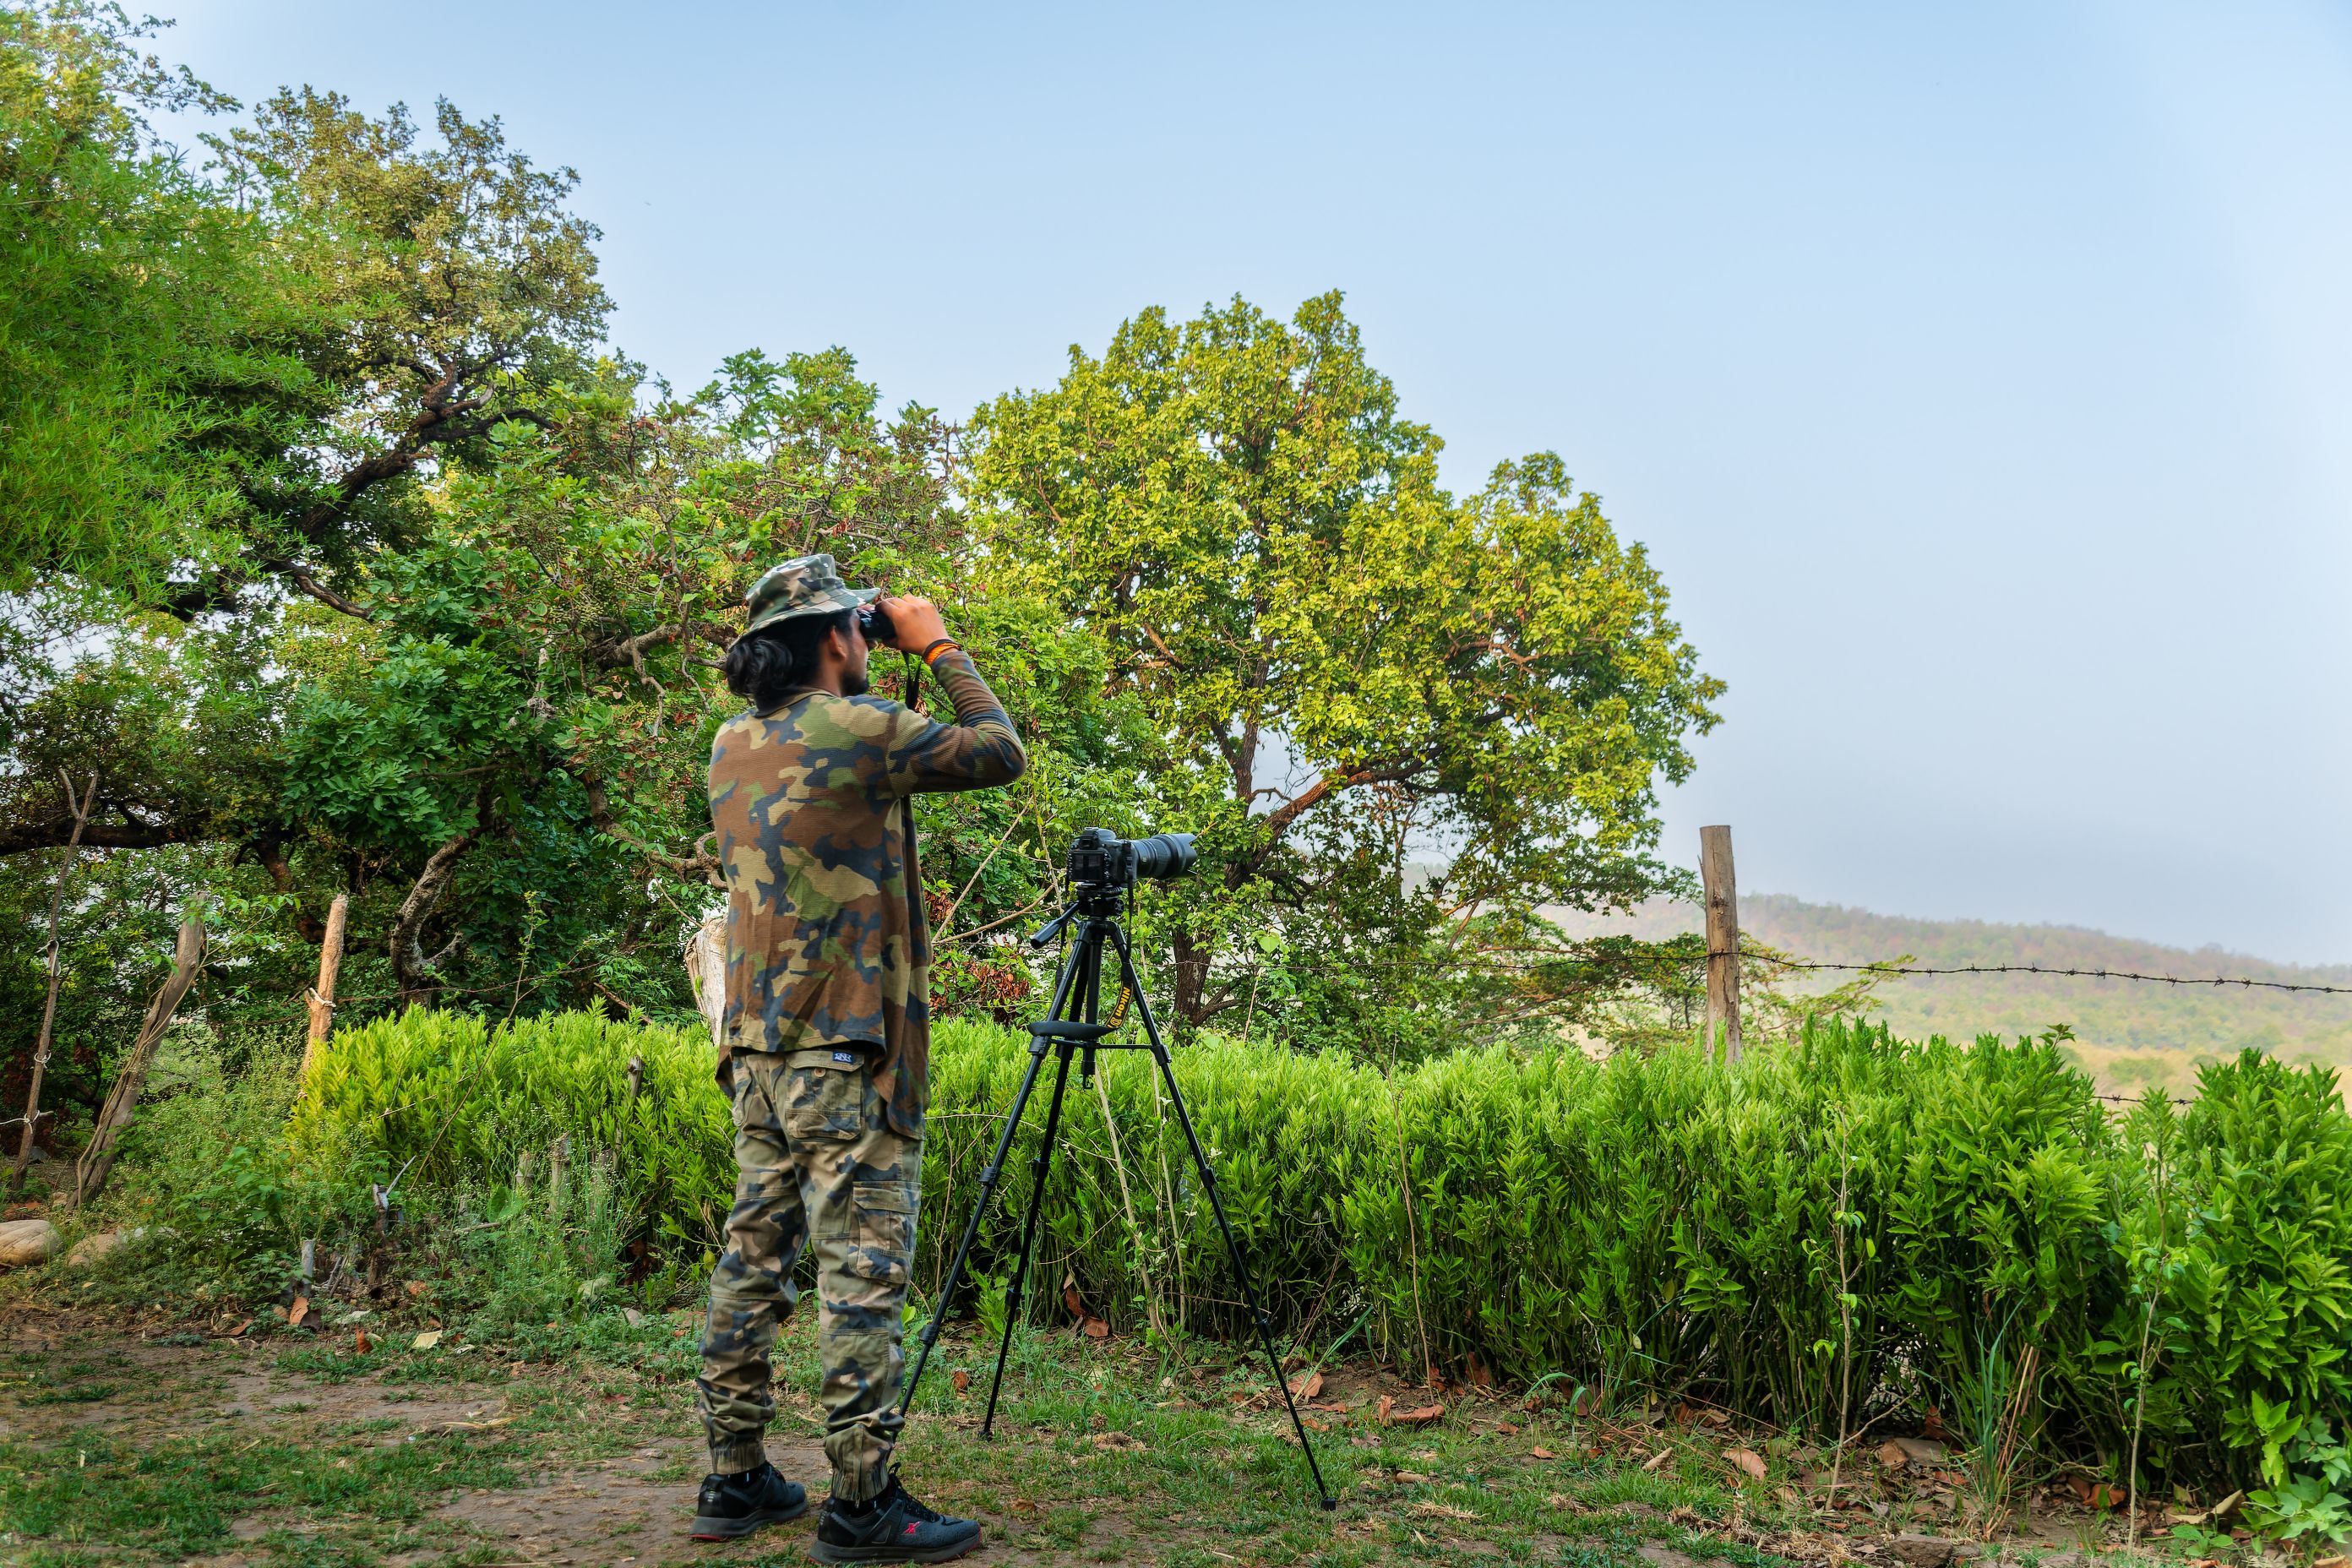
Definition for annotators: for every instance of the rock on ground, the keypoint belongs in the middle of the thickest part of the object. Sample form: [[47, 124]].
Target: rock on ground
[[24, 1242], [94, 1247]]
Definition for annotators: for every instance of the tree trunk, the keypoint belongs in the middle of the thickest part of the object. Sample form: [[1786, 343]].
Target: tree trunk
[[49, 1007], [706, 967], [1193, 954], [408, 960]]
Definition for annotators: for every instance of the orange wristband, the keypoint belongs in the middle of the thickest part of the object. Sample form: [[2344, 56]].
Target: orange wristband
[[943, 645]]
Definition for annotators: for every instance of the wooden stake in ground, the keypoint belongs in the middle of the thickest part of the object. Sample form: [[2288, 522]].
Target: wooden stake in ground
[[49, 1008], [322, 995], [1722, 940], [97, 1162]]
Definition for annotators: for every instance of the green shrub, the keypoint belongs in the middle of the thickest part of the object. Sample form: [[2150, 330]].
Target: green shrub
[[1647, 1225], [447, 1104], [536, 1259], [207, 1175]]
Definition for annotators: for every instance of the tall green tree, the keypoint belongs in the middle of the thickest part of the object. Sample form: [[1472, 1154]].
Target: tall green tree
[[1360, 667], [449, 291], [130, 296]]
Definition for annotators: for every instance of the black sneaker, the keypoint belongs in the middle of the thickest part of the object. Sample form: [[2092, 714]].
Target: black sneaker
[[730, 1506], [893, 1528]]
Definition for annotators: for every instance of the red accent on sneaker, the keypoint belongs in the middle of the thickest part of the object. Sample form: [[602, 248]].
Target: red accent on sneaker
[[910, 1527]]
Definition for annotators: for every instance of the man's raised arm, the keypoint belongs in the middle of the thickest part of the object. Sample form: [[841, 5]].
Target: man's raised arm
[[980, 749]]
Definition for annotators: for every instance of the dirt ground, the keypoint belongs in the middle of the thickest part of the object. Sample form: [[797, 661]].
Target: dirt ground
[[150, 1441]]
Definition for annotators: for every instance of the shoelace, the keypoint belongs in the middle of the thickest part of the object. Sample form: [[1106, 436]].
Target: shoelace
[[914, 1506]]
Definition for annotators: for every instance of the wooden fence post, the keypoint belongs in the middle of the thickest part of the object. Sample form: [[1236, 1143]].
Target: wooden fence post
[[322, 995], [49, 1008], [97, 1161], [1722, 940]]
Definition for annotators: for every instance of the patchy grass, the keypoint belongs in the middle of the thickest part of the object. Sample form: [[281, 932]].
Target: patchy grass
[[297, 1449]]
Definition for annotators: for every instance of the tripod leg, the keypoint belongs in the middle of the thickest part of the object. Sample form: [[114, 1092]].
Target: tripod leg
[[1217, 1207], [1039, 1165], [988, 1179]]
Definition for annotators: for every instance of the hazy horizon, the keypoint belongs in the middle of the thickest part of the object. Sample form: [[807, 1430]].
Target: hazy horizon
[[1648, 920], [1979, 380]]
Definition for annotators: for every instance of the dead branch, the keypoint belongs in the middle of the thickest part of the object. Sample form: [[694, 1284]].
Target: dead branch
[[97, 1162]]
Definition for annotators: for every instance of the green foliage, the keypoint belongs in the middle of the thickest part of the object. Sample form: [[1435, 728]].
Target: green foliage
[[2315, 1499], [461, 1107], [208, 1175], [127, 325], [536, 1256], [1651, 1224], [2259, 1306]]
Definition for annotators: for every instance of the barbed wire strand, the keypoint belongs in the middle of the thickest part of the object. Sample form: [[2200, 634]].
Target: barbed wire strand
[[2081, 974], [1881, 966]]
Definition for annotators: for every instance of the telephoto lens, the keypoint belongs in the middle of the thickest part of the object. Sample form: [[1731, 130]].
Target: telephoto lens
[[1101, 859], [1165, 857]]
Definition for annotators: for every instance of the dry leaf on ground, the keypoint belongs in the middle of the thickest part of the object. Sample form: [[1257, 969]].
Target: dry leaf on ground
[[1892, 1456], [1543, 1453], [962, 1380], [1392, 1416], [1436, 1510], [426, 1341], [1660, 1457], [1748, 1459], [1306, 1387]]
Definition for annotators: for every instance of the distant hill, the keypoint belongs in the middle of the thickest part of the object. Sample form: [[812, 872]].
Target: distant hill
[[2132, 1034]]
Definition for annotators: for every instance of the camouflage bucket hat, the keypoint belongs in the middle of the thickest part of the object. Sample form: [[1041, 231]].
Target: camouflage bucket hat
[[804, 586]]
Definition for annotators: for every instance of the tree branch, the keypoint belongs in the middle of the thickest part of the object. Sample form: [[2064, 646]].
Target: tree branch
[[408, 960], [632, 650], [300, 578], [1279, 820], [701, 865], [129, 834]]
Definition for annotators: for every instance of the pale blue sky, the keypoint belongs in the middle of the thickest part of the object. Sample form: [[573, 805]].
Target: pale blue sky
[[1980, 377]]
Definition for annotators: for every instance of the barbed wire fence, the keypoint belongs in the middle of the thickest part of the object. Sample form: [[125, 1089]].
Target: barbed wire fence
[[1529, 960]]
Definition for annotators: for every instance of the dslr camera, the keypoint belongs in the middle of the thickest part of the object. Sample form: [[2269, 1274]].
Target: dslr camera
[[1101, 860]]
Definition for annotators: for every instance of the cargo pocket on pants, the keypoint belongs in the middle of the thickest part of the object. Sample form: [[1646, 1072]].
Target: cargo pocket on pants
[[826, 1106], [881, 1230]]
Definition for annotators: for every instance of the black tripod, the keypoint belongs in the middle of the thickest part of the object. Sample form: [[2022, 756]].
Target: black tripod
[[1094, 913]]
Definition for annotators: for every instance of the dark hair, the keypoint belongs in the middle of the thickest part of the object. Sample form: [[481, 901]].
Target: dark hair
[[766, 666]]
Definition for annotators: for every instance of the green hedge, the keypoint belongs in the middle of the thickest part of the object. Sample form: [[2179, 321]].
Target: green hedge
[[1662, 1224]]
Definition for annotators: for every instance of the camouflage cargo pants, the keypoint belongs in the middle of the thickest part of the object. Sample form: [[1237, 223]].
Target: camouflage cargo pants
[[816, 1161]]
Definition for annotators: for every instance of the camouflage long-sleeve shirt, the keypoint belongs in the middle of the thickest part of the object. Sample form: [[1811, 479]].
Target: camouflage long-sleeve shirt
[[827, 943]]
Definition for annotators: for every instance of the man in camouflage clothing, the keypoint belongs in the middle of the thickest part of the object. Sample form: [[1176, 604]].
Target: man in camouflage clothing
[[826, 1037]]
